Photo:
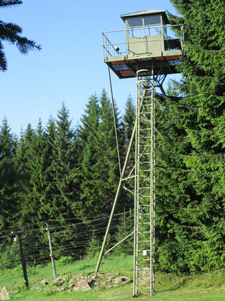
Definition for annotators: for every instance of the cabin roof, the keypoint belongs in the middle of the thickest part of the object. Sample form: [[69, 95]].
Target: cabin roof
[[146, 12]]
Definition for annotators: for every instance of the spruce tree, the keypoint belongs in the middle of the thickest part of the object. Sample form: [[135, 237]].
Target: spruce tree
[[65, 166], [37, 166], [24, 155], [200, 234], [127, 125], [8, 142], [173, 190], [88, 134], [11, 33], [64, 187], [107, 165], [10, 177]]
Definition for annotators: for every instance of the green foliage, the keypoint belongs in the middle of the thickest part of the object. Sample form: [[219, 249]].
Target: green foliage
[[11, 178], [11, 33], [64, 165], [9, 255], [93, 246], [191, 147], [64, 260], [99, 162], [127, 125], [125, 228], [60, 173]]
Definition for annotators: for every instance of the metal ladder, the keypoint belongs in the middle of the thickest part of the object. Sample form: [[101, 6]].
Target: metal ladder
[[144, 202]]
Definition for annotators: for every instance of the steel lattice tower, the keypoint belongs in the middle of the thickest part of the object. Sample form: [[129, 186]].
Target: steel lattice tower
[[149, 54], [144, 197]]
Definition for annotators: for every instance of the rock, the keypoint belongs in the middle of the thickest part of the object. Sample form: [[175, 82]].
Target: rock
[[4, 295], [91, 283], [109, 279], [101, 275], [59, 289], [60, 280], [121, 280], [81, 284], [44, 282]]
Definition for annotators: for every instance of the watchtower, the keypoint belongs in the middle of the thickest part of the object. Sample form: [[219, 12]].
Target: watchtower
[[149, 49], [149, 39]]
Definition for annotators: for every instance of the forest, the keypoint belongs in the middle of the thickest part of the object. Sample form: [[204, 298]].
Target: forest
[[60, 172]]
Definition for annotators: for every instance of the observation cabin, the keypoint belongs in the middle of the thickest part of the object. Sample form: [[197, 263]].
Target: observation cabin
[[148, 39]]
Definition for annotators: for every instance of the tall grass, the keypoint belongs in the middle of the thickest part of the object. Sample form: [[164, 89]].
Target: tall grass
[[201, 287]]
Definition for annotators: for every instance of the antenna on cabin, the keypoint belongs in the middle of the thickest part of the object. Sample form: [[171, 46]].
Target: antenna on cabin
[[151, 51]]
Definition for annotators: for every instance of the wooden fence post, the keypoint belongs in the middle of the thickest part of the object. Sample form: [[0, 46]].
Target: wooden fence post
[[23, 262], [51, 251]]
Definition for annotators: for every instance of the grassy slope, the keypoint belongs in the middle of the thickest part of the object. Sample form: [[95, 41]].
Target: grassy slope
[[203, 287]]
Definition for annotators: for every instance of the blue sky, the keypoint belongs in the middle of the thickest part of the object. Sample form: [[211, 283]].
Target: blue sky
[[70, 66]]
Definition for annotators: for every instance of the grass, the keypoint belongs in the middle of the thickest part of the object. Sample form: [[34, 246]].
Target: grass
[[169, 287]]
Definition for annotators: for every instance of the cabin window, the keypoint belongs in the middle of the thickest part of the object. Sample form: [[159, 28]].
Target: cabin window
[[152, 25], [134, 22], [135, 27], [152, 20], [144, 26]]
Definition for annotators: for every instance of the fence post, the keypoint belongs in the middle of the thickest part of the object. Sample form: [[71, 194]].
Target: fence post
[[23, 262], [51, 251]]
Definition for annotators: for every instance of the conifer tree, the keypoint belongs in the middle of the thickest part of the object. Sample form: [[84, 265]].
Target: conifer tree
[[37, 166], [128, 121], [10, 177], [127, 124], [24, 155], [8, 142], [11, 33], [88, 134], [107, 156], [203, 217], [173, 190], [65, 166]]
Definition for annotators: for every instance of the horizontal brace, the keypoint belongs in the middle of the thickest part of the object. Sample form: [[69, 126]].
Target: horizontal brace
[[128, 178]]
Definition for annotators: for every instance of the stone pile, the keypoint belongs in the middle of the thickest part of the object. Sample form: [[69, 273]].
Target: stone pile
[[83, 283]]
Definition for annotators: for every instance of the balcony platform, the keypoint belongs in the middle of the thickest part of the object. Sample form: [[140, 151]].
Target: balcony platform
[[126, 66]]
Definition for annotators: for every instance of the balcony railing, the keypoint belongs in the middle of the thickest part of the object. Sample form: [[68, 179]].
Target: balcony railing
[[141, 40]]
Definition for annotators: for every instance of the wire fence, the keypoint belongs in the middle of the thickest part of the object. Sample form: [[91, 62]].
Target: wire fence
[[51, 242]]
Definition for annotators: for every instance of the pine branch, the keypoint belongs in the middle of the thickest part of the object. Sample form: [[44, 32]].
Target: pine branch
[[5, 3], [3, 63]]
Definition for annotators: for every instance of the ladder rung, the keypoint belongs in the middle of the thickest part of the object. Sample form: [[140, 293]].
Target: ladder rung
[[145, 241], [142, 136], [143, 250], [146, 96], [140, 250], [146, 113], [143, 262], [142, 270]]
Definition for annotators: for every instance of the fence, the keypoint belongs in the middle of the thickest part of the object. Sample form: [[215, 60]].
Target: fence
[[23, 250]]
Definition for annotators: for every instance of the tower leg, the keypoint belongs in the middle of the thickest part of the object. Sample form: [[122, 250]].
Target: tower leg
[[144, 196], [152, 192]]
